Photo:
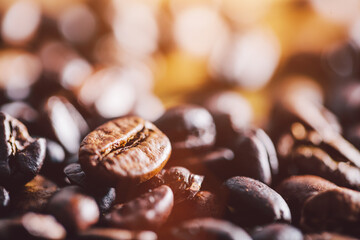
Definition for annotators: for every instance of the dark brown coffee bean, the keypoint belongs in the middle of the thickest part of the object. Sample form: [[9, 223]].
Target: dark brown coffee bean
[[277, 231], [311, 160], [115, 234], [103, 195], [189, 128], [32, 226], [34, 196], [21, 156], [74, 209], [252, 159], [123, 150], [335, 210], [149, 211], [183, 183], [327, 236], [64, 123], [253, 203], [208, 229], [297, 189]]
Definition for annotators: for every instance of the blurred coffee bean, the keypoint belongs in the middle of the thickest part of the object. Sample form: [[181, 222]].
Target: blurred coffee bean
[[21, 155], [20, 31], [183, 183], [32, 226], [189, 128], [103, 195], [332, 210], [124, 150], [63, 123], [227, 64], [231, 112], [20, 70], [208, 229], [297, 189], [311, 160], [115, 234], [149, 211], [341, 60], [73, 209], [23, 112], [277, 231], [54, 161], [109, 92], [78, 23], [327, 236], [34, 196], [254, 203], [4, 198]]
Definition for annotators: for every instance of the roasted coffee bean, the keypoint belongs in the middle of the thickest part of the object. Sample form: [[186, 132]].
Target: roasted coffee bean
[[21, 155], [252, 159], [189, 127], [204, 204], [115, 234], [124, 150], [253, 203], [4, 199], [149, 211], [231, 112], [103, 195], [297, 189], [55, 159], [327, 236], [34, 196], [32, 226], [335, 210], [74, 209], [277, 231], [208, 229], [311, 160], [183, 183], [63, 123]]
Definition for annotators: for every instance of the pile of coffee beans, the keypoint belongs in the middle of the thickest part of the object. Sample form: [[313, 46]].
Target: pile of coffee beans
[[89, 150]]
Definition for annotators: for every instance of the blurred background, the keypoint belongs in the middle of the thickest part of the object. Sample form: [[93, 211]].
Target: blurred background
[[119, 57]]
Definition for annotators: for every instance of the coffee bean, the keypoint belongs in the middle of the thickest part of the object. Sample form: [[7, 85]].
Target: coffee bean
[[124, 150], [74, 209], [4, 199], [115, 234], [310, 160], [149, 211], [297, 189], [335, 210], [277, 231], [254, 203], [34, 196], [208, 229], [103, 195], [189, 127], [63, 123], [32, 226], [182, 182], [252, 159], [21, 155]]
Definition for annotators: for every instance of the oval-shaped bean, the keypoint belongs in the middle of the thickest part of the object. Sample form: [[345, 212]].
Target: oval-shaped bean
[[277, 231], [124, 150], [254, 203], [149, 211]]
